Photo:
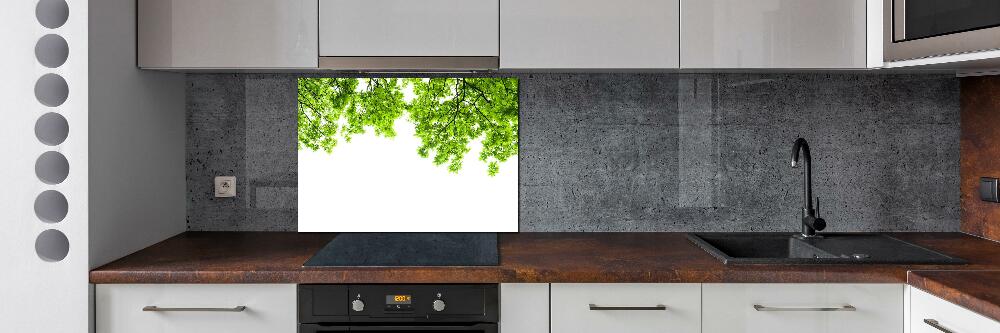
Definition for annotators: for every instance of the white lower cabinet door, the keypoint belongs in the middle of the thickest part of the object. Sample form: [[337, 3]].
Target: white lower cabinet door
[[524, 308], [802, 308], [625, 307], [930, 314], [196, 308]]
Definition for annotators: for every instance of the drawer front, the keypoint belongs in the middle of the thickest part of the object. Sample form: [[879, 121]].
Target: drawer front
[[946, 315], [269, 308], [730, 308], [572, 313]]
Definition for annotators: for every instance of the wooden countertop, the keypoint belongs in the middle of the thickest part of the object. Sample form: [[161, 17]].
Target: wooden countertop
[[978, 291], [277, 257], [263, 257]]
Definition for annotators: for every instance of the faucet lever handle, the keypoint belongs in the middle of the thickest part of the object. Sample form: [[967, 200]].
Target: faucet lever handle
[[817, 206]]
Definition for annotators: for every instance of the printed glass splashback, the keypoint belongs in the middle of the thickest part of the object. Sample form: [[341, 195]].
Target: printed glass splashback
[[407, 154]]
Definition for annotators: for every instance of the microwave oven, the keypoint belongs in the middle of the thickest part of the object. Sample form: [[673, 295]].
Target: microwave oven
[[915, 29]]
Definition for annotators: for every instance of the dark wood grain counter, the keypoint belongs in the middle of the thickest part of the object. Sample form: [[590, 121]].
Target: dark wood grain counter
[[978, 291], [277, 257], [262, 257]]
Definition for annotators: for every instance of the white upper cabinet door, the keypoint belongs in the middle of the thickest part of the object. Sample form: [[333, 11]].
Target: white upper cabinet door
[[815, 308], [409, 28], [625, 307], [773, 34], [589, 34], [227, 33]]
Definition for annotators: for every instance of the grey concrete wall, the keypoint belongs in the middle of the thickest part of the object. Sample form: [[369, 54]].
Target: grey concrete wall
[[243, 126], [641, 152]]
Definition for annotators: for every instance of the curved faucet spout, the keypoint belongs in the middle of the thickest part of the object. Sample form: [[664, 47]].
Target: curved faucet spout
[[807, 188], [810, 222], [800, 145]]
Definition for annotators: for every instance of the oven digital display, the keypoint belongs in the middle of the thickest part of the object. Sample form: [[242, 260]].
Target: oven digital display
[[398, 299]]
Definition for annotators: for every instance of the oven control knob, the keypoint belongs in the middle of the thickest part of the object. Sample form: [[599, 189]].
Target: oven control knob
[[358, 305], [438, 305]]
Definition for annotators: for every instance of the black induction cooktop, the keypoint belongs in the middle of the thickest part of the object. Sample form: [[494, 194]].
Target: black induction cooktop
[[408, 249]]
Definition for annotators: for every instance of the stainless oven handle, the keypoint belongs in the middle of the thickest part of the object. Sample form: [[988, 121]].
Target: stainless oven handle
[[935, 324], [417, 328], [848, 307], [660, 307], [153, 308]]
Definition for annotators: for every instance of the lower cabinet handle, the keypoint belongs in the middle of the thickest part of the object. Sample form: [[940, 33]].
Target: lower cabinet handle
[[154, 308], [935, 324], [848, 307], [594, 307]]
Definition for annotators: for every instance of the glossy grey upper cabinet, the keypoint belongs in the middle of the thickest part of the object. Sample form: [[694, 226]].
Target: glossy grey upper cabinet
[[589, 34], [774, 34], [409, 28], [193, 34]]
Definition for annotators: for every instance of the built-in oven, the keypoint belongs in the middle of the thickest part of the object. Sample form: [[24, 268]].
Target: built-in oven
[[928, 28], [387, 308]]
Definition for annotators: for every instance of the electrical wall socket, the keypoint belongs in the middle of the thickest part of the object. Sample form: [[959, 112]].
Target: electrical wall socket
[[988, 189], [225, 187]]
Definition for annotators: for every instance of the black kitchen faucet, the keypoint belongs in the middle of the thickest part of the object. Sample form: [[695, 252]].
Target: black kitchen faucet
[[810, 221]]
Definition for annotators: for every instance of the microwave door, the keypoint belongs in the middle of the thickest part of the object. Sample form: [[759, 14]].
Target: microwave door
[[916, 19], [915, 29]]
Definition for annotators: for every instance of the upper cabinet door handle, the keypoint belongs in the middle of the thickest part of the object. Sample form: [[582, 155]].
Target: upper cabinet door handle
[[594, 307], [935, 324], [848, 307], [154, 308]]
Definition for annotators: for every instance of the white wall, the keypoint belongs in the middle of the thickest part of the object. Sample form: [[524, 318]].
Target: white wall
[[125, 150], [137, 188], [38, 295]]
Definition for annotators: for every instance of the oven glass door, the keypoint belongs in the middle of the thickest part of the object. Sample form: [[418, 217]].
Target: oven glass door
[[475, 328], [916, 19]]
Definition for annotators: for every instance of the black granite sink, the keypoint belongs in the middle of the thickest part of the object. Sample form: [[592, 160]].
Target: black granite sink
[[838, 248]]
